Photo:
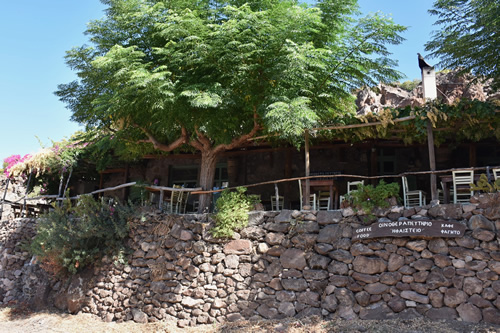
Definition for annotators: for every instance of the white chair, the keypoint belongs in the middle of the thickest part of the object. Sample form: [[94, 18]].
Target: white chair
[[351, 186], [324, 201], [496, 173], [281, 202], [312, 198], [462, 180], [177, 201], [412, 198]]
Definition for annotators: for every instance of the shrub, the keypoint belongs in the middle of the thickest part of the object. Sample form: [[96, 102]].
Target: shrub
[[74, 236], [232, 212], [367, 197], [484, 186]]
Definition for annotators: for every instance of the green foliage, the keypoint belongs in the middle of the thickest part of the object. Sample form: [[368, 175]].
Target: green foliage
[[72, 237], [158, 67], [232, 212], [468, 38], [486, 187], [409, 85], [367, 197]]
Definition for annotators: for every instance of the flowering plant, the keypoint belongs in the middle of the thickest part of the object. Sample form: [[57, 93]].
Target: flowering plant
[[10, 162]]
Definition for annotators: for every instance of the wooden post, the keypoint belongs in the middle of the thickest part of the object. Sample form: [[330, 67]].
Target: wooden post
[[432, 160], [472, 155], [4, 196], [307, 193]]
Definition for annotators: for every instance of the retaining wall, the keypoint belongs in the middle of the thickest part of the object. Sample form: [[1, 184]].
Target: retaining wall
[[286, 264]]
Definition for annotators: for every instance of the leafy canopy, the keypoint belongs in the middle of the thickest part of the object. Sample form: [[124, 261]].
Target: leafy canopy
[[172, 72], [468, 38]]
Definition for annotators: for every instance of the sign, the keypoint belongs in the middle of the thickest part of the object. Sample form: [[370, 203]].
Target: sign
[[407, 228]]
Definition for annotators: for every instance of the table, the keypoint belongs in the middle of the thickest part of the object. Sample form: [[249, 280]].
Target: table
[[323, 184], [446, 180]]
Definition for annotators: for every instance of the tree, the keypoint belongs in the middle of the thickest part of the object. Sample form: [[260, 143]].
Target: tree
[[469, 38], [209, 75]]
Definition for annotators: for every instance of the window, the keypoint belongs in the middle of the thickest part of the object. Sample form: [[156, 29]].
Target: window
[[187, 175]]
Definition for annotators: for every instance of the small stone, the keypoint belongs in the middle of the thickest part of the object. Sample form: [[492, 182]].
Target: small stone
[[413, 296], [454, 297], [139, 316], [469, 313]]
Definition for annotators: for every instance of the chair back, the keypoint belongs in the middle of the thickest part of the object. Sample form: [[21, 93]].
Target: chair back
[[404, 181], [496, 173], [352, 186], [463, 177], [281, 201]]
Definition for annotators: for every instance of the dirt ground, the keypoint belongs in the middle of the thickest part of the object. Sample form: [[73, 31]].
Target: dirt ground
[[21, 320]]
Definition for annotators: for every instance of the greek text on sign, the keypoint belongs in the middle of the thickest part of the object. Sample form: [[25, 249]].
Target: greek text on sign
[[406, 228]]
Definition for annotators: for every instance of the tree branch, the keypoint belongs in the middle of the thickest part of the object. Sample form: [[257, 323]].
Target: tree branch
[[242, 139], [166, 147]]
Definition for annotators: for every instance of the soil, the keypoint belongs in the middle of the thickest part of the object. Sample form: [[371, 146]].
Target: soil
[[18, 319]]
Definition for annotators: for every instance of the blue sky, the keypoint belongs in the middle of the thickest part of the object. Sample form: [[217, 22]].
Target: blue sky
[[36, 34]]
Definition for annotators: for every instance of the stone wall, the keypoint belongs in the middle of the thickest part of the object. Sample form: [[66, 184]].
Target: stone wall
[[296, 264]]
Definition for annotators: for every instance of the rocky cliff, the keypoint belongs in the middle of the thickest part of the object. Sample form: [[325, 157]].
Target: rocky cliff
[[450, 88]]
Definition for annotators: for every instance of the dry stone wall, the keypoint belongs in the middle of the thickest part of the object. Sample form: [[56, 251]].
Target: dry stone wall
[[296, 264]]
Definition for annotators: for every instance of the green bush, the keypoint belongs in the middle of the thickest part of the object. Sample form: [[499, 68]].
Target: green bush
[[74, 236], [484, 186], [367, 197], [232, 212]]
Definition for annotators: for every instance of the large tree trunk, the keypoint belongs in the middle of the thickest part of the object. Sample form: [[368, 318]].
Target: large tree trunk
[[207, 175]]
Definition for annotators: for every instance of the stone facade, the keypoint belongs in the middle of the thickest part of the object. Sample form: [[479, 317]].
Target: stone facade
[[282, 265]]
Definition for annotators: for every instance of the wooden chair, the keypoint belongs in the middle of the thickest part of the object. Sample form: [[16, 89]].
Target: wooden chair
[[312, 197], [412, 198], [175, 203], [462, 180], [324, 201], [351, 186], [281, 202], [496, 173]]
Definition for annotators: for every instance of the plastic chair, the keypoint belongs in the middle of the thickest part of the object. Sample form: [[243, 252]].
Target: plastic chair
[[412, 198], [351, 186], [462, 180], [281, 202]]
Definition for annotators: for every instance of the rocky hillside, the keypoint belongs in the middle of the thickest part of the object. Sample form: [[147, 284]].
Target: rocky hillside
[[450, 87], [15, 191]]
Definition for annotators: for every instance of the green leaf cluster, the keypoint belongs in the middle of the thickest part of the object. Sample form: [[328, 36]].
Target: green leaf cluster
[[368, 197], [71, 237], [232, 212], [468, 37], [484, 186]]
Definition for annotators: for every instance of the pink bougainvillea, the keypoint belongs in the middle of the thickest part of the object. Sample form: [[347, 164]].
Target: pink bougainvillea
[[12, 160]]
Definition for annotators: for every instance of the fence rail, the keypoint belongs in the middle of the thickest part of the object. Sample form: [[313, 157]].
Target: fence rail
[[198, 190]]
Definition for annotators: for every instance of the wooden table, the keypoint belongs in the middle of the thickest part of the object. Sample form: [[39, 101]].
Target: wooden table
[[326, 185], [446, 180]]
